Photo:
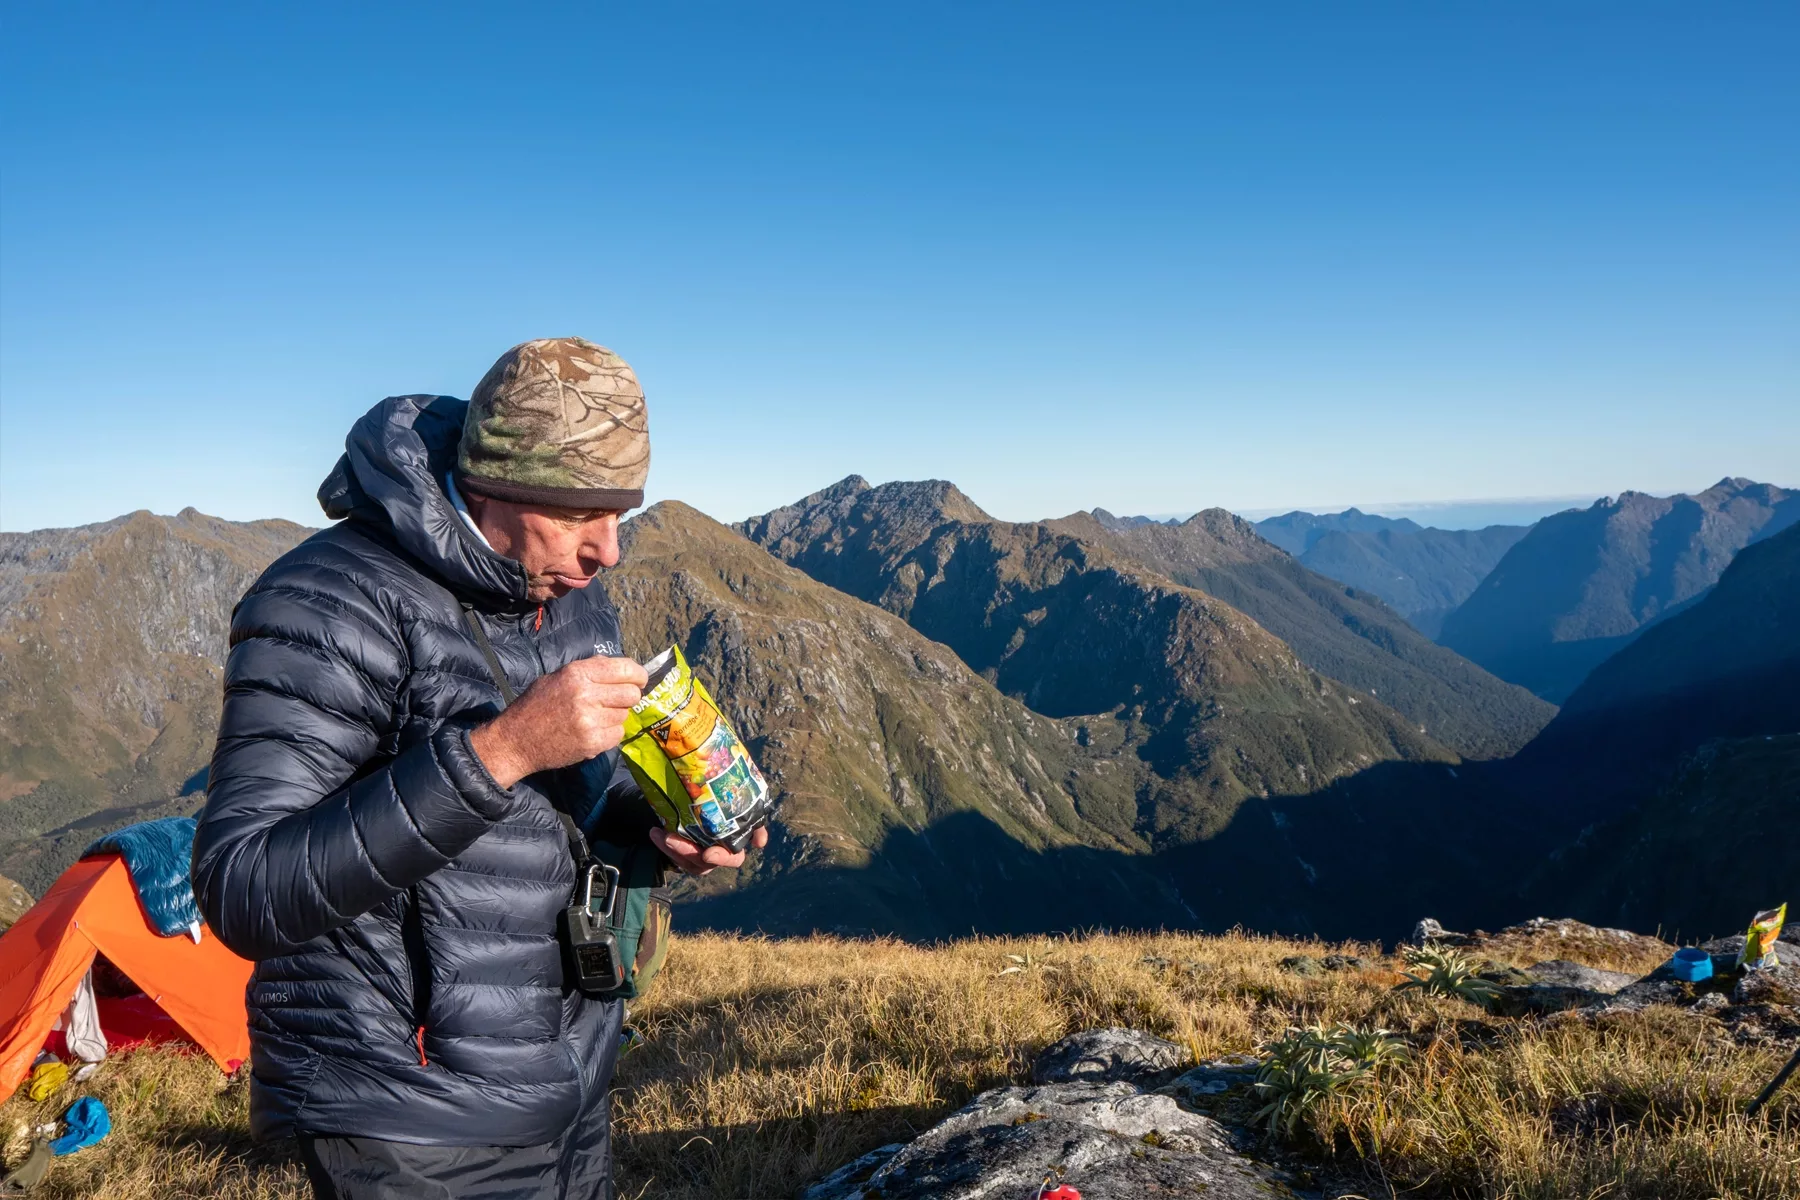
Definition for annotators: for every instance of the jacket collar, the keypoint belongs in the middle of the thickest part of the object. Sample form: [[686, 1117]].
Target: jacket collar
[[391, 476]]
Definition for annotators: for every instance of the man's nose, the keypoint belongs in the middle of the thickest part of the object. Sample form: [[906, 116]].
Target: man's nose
[[602, 542]]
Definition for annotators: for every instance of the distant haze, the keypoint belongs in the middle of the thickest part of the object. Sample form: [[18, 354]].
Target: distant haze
[[1447, 514]]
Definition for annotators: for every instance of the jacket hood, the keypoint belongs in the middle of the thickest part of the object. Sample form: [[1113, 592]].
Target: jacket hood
[[391, 475]]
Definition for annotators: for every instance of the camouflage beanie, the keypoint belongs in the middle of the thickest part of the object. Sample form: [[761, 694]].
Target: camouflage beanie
[[559, 422]]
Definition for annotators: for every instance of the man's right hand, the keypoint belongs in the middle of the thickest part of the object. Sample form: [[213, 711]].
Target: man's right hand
[[566, 717]]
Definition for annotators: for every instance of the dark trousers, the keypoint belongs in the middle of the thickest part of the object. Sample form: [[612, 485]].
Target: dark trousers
[[576, 1166], [349, 1168]]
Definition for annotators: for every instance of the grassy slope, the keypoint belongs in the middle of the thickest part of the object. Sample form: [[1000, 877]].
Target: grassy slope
[[768, 1063], [111, 644], [874, 737]]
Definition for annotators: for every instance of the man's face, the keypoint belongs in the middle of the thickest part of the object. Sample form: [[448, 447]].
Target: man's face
[[561, 549]]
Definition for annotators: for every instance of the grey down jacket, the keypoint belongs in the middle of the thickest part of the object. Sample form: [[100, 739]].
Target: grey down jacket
[[400, 907]]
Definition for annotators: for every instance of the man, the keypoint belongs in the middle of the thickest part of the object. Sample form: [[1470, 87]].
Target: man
[[381, 831]]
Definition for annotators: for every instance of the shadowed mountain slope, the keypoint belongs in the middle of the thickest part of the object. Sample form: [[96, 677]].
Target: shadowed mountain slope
[[1340, 632], [1661, 793], [112, 639], [1584, 583], [1718, 843], [1682, 753], [1726, 667]]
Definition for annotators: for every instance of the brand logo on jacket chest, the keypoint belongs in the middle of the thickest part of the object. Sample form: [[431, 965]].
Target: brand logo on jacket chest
[[607, 649]]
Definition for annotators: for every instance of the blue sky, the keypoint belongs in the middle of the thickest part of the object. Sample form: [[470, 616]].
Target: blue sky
[[1151, 258]]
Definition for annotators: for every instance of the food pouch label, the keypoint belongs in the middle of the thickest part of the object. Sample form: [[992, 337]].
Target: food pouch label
[[1759, 941], [694, 770]]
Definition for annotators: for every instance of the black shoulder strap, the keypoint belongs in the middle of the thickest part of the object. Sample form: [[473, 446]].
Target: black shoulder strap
[[487, 651], [578, 845]]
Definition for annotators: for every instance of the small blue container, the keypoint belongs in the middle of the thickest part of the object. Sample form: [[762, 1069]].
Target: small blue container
[[1692, 964]]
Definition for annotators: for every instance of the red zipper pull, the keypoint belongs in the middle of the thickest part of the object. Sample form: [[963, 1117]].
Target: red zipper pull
[[540, 620], [421, 1040]]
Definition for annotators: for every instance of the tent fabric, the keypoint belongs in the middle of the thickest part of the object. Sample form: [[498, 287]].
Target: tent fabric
[[158, 854], [133, 1021], [91, 909]]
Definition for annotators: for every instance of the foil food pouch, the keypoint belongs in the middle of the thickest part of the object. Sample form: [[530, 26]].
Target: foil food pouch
[[1759, 942], [693, 769]]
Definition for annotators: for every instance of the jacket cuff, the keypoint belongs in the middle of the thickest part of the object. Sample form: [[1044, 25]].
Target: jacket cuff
[[469, 775]]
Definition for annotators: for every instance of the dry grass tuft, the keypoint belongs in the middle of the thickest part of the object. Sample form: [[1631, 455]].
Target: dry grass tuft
[[767, 1063]]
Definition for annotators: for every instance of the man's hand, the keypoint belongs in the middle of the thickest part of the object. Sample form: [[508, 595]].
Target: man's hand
[[694, 860], [566, 717]]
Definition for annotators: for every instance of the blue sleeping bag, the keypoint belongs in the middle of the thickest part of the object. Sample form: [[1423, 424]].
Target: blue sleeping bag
[[158, 854]]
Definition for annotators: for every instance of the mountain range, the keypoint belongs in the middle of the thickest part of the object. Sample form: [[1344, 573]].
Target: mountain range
[[1214, 706], [1583, 583], [1346, 633], [1683, 753], [1009, 727], [1423, 573]]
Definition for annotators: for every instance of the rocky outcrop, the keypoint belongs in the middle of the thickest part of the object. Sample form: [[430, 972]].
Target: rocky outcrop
[[1549, 938], [1760, 1006], [1212, 1079], [1555, 986], [1561, 972], [1105, 1055], [1091, 1123], [1771, 985], [1111, 1141]]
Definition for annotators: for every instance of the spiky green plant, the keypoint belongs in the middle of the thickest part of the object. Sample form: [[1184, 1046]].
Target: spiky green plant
[[1448, 973], [1371, 1048], [1309, 1067]]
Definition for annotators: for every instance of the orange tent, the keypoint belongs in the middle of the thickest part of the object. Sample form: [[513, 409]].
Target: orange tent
[[93, 908]]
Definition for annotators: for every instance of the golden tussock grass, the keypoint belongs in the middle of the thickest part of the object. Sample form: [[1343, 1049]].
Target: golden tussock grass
[[767, 1063]]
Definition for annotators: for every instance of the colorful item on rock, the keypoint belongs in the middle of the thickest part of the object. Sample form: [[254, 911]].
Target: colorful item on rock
[[1759, 942], [694, 770]]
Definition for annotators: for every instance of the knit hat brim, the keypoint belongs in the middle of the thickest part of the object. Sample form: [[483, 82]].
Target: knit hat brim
[[617, 499]]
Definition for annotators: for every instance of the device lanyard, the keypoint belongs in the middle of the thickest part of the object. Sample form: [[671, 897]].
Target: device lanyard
[[579, 850]]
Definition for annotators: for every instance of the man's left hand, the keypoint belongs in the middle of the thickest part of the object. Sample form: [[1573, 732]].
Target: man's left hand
[[694, 860]]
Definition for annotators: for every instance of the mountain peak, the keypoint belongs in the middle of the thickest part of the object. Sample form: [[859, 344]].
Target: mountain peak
[[852, 502], [1107, 521], [936, 497]]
